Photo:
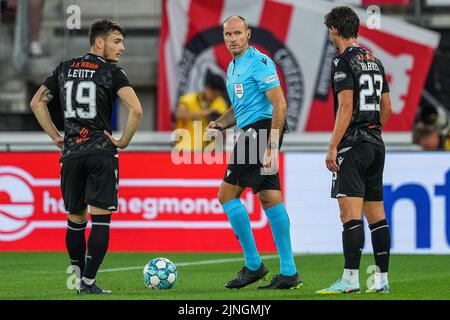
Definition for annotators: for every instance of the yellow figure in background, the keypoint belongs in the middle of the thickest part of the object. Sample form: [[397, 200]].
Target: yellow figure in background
[[196, 109]]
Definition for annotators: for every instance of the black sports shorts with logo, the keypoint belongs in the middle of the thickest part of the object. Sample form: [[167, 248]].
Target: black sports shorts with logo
[[360, 173], [245, 165], [90, 180]]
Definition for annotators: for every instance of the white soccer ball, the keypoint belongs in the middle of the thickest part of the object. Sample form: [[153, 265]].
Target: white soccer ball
[[160, 273]]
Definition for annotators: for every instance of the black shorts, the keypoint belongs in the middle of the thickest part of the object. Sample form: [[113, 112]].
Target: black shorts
[[245, 166], [361, 172], [90, 180]]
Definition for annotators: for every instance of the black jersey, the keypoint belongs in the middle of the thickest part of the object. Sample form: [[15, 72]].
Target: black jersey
[[86, 88], [358, 70]]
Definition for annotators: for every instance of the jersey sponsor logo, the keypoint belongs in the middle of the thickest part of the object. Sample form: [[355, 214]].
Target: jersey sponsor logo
[[339, 76], [83, 136], [238, 90], [84, 64], [271, 79]]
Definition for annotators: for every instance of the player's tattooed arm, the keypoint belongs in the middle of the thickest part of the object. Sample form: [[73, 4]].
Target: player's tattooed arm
[[39, 107], [46, 96]]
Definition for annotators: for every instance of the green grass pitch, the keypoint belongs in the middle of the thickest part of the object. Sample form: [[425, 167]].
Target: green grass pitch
[[201, 276]]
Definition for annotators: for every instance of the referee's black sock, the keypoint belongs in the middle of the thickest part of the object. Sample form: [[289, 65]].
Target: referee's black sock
[[381, 243], [97, 246], [76, 245], [353, 243]]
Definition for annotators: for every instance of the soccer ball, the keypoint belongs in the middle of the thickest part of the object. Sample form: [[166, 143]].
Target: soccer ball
[[160, 273]]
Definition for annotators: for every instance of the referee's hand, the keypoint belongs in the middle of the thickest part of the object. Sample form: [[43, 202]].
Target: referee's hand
[[330, 160], [270, 162]]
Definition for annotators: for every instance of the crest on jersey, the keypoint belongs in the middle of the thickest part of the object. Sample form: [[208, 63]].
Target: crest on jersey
[[239, 90]]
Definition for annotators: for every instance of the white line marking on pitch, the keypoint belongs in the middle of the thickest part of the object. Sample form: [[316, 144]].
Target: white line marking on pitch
[[191, 263]]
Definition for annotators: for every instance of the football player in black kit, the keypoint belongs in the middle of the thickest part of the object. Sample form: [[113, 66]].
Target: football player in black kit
[[85, 88], [356, 152]]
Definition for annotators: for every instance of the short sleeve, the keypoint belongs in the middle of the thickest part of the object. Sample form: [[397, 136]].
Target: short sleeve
[[265, 74], [51, 83], [342, 75], [119, 80]]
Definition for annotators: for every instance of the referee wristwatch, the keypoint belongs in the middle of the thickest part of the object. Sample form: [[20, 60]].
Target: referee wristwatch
[[273, 145]]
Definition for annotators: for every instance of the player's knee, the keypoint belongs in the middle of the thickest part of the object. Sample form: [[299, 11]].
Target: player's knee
[[223, 197], [77, 217], [99, 211], [346, 216], [374, 217]]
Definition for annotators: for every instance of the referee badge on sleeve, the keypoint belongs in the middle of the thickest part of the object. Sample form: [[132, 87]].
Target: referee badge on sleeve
[[239, 90]]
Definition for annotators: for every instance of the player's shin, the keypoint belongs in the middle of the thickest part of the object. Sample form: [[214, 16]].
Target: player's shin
[[240, 222], [353, 243], [280, 226], [97, 246], [381, 243], [76, 246]]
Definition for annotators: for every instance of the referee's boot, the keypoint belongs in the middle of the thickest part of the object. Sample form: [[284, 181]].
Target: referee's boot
[[247, 276], [284, 282], [91, 289]]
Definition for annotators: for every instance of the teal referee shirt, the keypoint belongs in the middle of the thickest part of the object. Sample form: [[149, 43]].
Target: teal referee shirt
[[248, 78]]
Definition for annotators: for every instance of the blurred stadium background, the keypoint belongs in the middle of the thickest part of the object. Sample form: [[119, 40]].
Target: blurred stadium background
[[170, 45]]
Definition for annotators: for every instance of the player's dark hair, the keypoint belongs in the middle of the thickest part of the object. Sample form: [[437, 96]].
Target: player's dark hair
[[215, 82], [102, 27], [239, 17], [345, 20]]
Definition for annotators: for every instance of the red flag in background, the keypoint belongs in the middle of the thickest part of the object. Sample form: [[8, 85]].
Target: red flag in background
[[292, 33]]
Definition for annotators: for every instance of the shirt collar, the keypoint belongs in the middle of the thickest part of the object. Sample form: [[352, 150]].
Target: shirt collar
[[247, 53]]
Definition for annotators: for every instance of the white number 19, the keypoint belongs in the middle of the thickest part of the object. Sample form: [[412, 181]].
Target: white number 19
[[88, 99]]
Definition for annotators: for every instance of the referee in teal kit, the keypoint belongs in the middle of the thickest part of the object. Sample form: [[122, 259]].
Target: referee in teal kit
[[259, 112]]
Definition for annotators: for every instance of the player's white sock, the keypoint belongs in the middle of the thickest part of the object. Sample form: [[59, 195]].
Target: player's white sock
[[351, 276], [88, 281], [382, 277]]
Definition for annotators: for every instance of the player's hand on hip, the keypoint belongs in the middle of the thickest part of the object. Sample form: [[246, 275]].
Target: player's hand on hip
[[117, 142], [330, 159], [59, 141], [270, 161]]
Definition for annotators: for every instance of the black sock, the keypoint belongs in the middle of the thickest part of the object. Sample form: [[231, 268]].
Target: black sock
[[353, 243], [97, 244], [381, 243], [76, 246]]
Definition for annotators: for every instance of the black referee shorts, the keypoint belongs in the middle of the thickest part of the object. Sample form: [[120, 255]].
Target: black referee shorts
[[90, 180], [245, 166], [360, 173]]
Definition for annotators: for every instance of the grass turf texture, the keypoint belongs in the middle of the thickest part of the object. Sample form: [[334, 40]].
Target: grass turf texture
[[42, 275]]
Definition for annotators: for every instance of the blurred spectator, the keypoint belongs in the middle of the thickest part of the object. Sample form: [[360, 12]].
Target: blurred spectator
[[430, 138], [8, 10], [432, 129], [35, 8], [203, 107]]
